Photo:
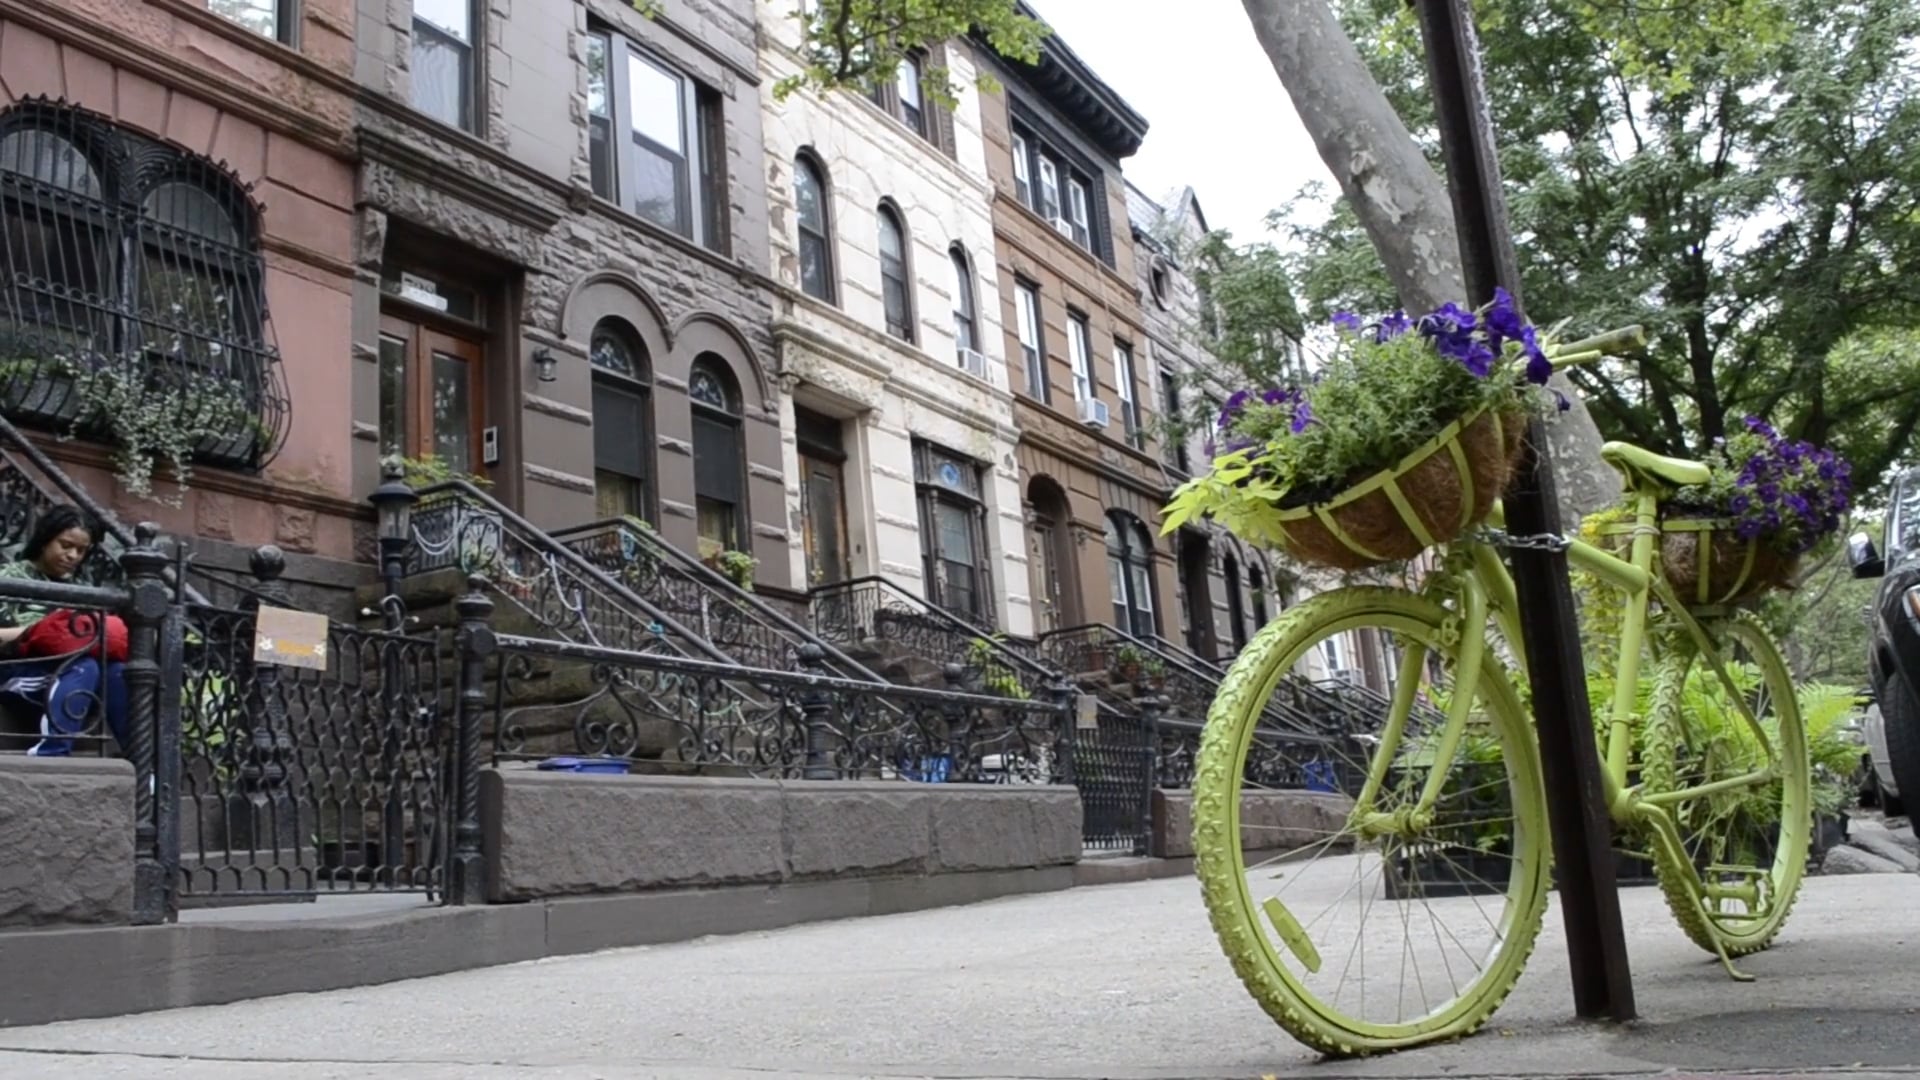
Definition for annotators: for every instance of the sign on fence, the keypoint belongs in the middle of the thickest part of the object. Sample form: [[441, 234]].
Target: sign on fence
[[290, 638], [1088, 717]]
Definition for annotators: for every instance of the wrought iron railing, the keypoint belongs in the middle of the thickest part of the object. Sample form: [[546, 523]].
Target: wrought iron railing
[[795, 725], [742, 625], [871, 613]]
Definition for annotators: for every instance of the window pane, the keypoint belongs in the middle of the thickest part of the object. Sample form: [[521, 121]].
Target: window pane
[[190, 209], [452, 412], [953, 528], [260, 16], [893, 288], [440, 75], [658, 184], [717, 471], [963, 331], [1049, 206], [453, 16], [615, 495], [907, 85], [808, 197], [1078, 346], [814, 278], [598, 90], [619, 430], [49, 159], [715, 521], [890, 242], [600, 155], [393, 397], [653, 96], [1022, 179]]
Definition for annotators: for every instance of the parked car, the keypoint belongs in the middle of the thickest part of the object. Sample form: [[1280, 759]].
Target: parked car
[[1892, 726]]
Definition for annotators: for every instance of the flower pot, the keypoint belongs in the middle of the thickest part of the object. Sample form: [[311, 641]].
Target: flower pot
[[1432, 496], [1708, 565]]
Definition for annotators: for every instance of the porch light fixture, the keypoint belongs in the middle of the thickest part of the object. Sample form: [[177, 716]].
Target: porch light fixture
[[393, 522], [546, 367]]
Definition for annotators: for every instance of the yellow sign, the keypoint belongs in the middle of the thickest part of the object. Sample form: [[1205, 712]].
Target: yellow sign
[[290, 638]]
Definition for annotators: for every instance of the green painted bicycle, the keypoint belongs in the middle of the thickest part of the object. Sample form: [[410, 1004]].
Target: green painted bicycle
[[1434, 881]]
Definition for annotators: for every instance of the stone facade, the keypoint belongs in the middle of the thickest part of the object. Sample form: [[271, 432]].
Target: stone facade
[[507, 228], [1078, 479], [1227, 590], [66, 841], [278, 120], [694, 832], [874, 391]]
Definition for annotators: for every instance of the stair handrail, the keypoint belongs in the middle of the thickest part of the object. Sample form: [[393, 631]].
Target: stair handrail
[[1047, 672], [714, 580], [80, 497], [541, 540]]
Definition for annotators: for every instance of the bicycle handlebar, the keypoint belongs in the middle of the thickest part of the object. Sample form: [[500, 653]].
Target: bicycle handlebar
[[1627, 339]]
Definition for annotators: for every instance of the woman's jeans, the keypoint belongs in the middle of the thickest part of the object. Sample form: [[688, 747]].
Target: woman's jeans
[[67, 693]]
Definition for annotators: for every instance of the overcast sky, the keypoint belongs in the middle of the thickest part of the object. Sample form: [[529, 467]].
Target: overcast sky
[[1217, 116]]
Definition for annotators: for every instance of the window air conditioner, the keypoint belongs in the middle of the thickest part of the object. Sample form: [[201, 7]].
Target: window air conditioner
[[1093, 412], [1063, 227], [974, 363]]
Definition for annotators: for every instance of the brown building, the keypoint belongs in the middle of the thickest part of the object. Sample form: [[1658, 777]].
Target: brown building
[[1090, 474], [176, 197]]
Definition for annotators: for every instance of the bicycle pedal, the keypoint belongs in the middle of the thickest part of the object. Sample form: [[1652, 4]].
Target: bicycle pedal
[[1292, 934]]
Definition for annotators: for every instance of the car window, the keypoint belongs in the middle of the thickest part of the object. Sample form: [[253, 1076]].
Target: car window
[[1903, 515]]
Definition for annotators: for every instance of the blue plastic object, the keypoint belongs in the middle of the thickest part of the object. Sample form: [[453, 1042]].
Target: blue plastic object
[[584, 765], [1320, 775]]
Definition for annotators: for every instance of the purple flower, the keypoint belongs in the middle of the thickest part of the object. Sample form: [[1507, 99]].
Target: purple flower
[[1539, 368], [1562, 401], [1471, 353], [1761, 427], [1392, 327], [1503, 319], [1347, 320], [1277, 396], [1302, 416], [1451, 320]]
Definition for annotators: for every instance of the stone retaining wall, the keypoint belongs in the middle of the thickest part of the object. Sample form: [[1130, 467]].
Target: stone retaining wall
[[66, 841], [1290, 818], [565, 834]]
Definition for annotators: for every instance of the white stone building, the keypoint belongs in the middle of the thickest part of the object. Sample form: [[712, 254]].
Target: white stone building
[[896, 422]]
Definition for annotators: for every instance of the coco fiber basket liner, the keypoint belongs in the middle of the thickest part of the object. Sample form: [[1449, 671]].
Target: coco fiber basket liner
[[1432, 496], [1732, 570]]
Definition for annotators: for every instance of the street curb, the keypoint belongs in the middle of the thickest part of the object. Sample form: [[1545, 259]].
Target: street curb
[[82, 973]]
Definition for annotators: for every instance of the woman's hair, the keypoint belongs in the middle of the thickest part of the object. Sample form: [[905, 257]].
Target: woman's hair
[[57, 520]]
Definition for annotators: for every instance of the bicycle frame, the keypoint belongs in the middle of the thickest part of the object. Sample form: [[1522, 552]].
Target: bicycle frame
[[1486, 593]]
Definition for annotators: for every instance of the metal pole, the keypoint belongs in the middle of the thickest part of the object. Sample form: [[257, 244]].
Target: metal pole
[[475, 645], [1576, 800]]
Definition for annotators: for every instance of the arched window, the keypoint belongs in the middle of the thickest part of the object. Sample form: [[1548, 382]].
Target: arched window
[[1130, 574], [966, 327], [1257, 584], [623, 444], [896, 290], [122, 251], [719, 461], [816, 234], [1236, 611]]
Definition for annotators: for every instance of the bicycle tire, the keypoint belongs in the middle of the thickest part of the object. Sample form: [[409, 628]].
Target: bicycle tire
[[1665, 736], [1219, 859]]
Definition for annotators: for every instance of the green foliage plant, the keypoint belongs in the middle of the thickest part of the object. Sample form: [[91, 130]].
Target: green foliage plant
[[1387, 388]]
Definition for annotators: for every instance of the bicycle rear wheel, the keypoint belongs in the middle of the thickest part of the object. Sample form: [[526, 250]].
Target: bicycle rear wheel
[[1306, 892], [1745, 847]]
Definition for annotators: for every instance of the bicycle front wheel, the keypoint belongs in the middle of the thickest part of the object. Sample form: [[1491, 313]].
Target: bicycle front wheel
[[1741, 799], [1312, 893]]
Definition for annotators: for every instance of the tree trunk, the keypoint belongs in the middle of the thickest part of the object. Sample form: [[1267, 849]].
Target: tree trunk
[[1401, 202]]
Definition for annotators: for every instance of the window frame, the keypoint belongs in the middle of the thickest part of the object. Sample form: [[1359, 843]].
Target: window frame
[[929, 496], [1123, 376], [1080, 356], [1035, 154], [470, 80], [731, 417], [1022, 152], [809, 164], [898, 277], [133, 248], [637, 384], [966, 309], [1030, 312], [887, 97], [1174, 453], [701, 181], [1136, 609], [286, 22]]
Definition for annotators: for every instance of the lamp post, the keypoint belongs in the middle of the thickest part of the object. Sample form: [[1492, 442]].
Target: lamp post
[[393, 503], [1576, 803]]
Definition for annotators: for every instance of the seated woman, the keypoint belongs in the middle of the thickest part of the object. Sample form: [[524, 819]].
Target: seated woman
[[64, 690]]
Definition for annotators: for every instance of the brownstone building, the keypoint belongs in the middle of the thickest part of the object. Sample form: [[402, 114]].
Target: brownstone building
[[176, 199], [1090, 476]]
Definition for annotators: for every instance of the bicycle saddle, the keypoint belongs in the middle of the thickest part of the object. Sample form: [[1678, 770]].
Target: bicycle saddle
[[1642, 467]]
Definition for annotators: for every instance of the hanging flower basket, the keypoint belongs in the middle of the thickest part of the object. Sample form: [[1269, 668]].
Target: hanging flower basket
[[1400, 440], [1707, 564], [1433, 495]]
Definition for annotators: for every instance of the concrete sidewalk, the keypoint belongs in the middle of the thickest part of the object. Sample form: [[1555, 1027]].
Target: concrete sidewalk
[[1122, 982]]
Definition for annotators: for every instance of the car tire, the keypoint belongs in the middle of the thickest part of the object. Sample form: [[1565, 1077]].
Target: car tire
[[1902, 714]]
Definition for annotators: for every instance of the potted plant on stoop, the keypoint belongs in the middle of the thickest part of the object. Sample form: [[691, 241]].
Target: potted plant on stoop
[[1126, 664], [737, 566], [1154, 671], [1401, 442]]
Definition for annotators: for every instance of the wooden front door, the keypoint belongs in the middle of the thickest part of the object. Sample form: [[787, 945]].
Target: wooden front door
[[431, 394], [824, 521]]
